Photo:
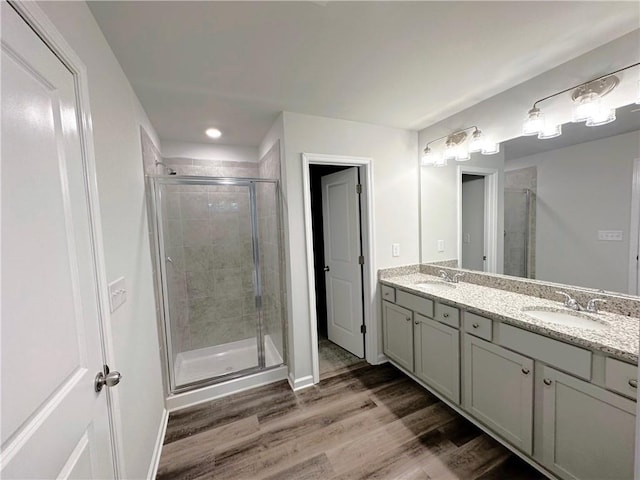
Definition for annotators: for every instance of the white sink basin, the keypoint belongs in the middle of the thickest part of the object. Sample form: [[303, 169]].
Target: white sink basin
[[436, 284], [564, 317]]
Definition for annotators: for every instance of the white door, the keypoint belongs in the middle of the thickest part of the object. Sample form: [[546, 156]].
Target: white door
[[53, 423], [341, 224]]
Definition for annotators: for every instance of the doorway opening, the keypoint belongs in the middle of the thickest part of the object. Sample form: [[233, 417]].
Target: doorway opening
[[337, 247], [340, 263], [478, 219]]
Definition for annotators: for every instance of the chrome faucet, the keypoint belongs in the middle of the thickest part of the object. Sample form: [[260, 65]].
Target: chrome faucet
[[445, 276], [592, 304], [570, 302]]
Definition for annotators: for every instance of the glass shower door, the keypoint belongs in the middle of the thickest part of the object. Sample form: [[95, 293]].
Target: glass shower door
[[209, 276]]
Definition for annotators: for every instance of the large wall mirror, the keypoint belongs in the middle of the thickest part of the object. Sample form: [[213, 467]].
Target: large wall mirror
[[568, 215]]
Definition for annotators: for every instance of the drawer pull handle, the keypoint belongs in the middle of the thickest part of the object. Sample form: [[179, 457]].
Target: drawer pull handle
[[633, 383], [445, 315], [526, 371], [547, 381], [408, 319], [475, 325], [417, 322]]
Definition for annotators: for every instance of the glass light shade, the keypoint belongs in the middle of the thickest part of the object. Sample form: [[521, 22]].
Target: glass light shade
[[463, 155], [441, 161], [534, 123], [451, 151], [586, 108], [490, 148], [428, 158], [477, 142], [601, 117], [550, 131]]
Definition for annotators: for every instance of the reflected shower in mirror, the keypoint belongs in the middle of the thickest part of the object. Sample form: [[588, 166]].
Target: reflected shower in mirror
[[568, 205]]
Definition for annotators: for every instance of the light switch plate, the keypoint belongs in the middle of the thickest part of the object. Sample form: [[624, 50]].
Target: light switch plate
[[117, 293], [395, 249], [441, 245], [610, 235]]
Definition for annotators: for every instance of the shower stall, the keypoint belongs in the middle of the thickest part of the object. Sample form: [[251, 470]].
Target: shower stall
[[519, 232], [219, 277]]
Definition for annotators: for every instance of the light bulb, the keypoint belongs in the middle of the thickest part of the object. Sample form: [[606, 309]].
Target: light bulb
[[534, 123], [550, 131], [602, 116], [476, 142], [440, 161], [451, 151], [490, 148], [463, 154], [428, 158], [588, 106], [213, 133]]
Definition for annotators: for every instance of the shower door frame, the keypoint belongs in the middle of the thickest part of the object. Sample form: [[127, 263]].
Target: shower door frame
[[161, 274]]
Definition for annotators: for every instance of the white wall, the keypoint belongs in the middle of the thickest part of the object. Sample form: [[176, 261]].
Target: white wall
[[581, 189], [208, 151], [117, 116], [395, 170]]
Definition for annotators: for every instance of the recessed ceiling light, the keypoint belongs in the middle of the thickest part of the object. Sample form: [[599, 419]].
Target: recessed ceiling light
[[213, 133]]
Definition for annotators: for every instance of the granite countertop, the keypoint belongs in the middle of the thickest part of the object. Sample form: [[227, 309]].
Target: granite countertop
[[619, 337]]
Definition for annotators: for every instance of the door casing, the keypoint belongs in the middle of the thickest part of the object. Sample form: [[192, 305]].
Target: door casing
[[369, 284]]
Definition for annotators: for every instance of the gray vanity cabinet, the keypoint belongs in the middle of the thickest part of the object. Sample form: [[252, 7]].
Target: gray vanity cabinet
[[397, 329], [587, 432], [498, 390], [437, 356]]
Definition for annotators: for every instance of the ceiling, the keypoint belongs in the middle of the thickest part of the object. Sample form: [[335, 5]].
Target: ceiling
[[236, 65]]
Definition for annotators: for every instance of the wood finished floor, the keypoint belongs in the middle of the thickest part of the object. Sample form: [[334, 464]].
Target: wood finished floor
[[363, 422]]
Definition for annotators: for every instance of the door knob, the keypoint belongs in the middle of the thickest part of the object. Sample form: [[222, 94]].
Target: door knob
[[111, 379], [326, 269]]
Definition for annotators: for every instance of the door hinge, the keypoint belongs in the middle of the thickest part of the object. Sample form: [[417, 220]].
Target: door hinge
[[361, 259], [358, 189], [363, 329]]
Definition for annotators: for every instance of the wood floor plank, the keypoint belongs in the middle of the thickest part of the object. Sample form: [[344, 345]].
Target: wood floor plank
[[363, 422]]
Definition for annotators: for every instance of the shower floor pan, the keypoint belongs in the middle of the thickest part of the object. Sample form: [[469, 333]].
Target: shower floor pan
[[210, 362]]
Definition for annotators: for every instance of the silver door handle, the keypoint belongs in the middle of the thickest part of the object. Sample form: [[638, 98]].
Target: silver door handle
[[633, 383], [169, 260], [111, 379], [326, 269]]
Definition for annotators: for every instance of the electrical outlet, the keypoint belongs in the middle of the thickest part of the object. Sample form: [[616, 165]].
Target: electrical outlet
[[610, 235], [117, 293], [395, 250], [441, 245]]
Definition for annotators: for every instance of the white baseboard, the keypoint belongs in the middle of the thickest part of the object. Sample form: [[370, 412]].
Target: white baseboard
[[218, 390], [300, 383], [157, 451], [382, 358]]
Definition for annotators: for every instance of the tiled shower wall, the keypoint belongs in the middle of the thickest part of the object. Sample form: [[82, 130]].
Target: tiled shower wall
[[209, 230], [520, 227]]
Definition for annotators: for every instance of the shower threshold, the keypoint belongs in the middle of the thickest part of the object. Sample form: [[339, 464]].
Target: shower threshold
[[210, 362]]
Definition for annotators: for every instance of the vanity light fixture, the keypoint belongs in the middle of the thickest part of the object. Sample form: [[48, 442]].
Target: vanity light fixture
[[589, 106], [456, 148]]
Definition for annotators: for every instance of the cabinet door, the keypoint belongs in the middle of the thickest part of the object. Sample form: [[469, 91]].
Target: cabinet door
[[437, 356], [587, 432], [398, 334], [498, 388]]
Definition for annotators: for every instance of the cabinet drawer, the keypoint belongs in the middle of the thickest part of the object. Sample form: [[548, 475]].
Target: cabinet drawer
[[566, 357], [479, 326], [448, 315], [388, 293], [423, 306], [621, 377]]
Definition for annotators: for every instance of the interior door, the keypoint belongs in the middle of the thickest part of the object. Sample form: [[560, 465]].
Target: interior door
[[342, 247], [53, 422]]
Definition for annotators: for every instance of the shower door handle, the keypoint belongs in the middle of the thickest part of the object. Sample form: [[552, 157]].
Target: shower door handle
[[326, 269]]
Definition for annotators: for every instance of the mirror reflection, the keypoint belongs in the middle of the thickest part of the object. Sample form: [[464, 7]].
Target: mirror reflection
[[568, 205]]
